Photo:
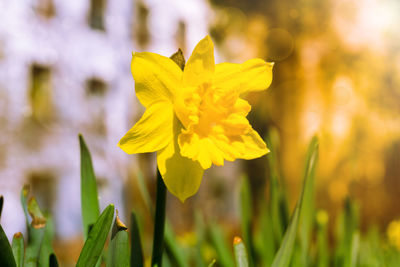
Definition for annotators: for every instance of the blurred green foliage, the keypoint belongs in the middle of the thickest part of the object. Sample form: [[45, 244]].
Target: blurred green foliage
[[303, 240]]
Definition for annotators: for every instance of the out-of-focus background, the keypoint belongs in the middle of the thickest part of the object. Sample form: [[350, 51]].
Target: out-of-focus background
[[65, 69]]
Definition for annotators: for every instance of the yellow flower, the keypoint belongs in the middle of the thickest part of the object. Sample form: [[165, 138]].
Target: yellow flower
[[194, 118]]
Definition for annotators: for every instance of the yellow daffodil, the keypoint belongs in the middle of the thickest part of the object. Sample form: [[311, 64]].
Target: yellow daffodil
[[194, 118]]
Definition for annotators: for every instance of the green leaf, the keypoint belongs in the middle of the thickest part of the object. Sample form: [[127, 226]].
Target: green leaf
[[322, 239], [136, 247], [18, 249], [307, 212], [94, 244], [47, 245], [36, 232], [246, 215], [200, 236], [212, 263], [267, 245], [1, 204], [284, 255], [118, 250], [240, 253], [347, 227], [218, 241], [278, 204], [355, 245], [159, 223], [24, 202], [6, 253], [174, 251], [38, 219], [53, 260], [89, 199]]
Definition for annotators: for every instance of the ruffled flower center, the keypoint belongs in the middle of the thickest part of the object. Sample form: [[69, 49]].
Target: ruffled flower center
[[209, 114]]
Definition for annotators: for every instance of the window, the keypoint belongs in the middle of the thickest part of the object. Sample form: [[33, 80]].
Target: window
[[181, 35], [43, 184], [141, 31], [96, 87], [40, 93], [96, 14], [96, 90], [45, 8]]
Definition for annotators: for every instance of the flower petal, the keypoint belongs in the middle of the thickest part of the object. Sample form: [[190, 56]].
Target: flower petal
[[252, 75], [156, 77], [200, 66], [152, 132], [254, 145], [199, 149], [181, 175]]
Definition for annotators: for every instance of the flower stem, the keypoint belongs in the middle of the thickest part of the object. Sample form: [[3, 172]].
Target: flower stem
[[159, 222]]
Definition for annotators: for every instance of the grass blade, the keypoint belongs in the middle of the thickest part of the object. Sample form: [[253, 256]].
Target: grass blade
[[136, 243], [6, 253], [47, 245], [159, 223], [240, 253], [200, 235], [322, 239], [119, 246], [307, 210], [284, 255], [94, 244], [174, 251], [1, 204], [246, 215], [89, 199], [35, 233], [53, 260], [266, 242], [224, 258], [18, 248]]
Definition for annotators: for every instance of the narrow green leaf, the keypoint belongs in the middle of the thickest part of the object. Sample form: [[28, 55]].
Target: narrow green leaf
[[6, 253], [53, 260], [278, 204], [355, 245], [306, 215], [200, 235], [89, 199], [174, 251], [159, 223], [169, 242], [36, 230], [267, 244], [18, 249], [240, 253], [246, 215], [136, 243], [218, 240], [212, 263], [24, 201], [284, 255], [118, 249], [322, 239], [347, 226], [38, 219], [94, 244], [1, 204], [144, 192], [47, 245]]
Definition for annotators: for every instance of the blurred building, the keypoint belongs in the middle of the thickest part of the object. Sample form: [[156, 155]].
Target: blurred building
[[64, 70]]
